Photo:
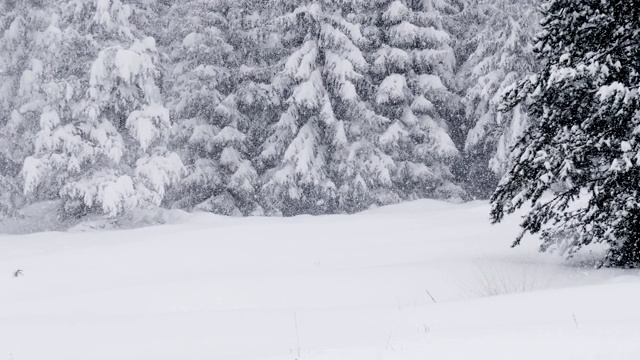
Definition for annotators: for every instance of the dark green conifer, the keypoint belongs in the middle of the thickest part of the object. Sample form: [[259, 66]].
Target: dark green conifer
[[579, 163]]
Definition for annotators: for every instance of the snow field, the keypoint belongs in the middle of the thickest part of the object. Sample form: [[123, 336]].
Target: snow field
[[412, 281]]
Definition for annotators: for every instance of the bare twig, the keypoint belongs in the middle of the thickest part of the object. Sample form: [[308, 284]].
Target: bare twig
[[431, 296], [295, 321], [388, 341]]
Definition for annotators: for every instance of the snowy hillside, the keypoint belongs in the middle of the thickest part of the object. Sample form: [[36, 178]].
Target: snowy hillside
[[413, 281]]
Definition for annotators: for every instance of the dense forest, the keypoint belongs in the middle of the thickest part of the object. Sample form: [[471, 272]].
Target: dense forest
[[257, 107]]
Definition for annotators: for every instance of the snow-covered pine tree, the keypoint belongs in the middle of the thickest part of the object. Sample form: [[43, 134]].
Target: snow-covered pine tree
[[362, 169], [103, 133], [27, 31], [413, 74], [211, 131], [293, 157], [317, 77], [262, 49], [312, 160], [578, 164], [358, 166], [500, 37]]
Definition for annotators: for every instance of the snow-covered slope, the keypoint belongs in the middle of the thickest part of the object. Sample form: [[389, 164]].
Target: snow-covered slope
[[413, 281]]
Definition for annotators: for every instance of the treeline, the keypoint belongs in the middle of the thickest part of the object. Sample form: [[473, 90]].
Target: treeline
[[251, 107]]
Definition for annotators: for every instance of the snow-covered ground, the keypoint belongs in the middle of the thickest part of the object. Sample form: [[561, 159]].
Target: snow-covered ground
[[422, 280]]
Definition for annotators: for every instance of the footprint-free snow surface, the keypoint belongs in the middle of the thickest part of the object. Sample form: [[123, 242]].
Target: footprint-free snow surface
[[422, 280]]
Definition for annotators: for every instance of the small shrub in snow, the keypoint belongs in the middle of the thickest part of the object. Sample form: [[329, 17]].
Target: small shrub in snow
[[491, 278]]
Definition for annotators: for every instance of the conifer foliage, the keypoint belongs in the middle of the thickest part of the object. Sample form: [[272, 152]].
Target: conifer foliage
[[413, 74], [500, 35], [101, 144], [243, 107], [319, 90], [211, 131], [28, 48], [586, 138]]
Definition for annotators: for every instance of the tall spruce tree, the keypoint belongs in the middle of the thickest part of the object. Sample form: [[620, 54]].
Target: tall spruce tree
[[306, 158], [211, 131], [578, 163], [500, 41], [29, 37], [101, 144], [412, 73]]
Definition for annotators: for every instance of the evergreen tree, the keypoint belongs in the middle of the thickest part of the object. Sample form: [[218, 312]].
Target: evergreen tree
[[211, 130], [578, 163], [27, 44], [101, 146], [260, 50], [412, 72], [361, 169], [305, 159], [499, 37]]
